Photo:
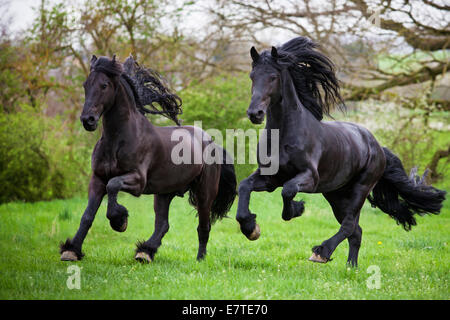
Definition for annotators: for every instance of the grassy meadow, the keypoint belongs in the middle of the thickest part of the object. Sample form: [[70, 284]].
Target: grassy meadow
[[412, 265]]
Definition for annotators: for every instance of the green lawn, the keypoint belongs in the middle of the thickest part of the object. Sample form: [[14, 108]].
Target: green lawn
[[413, 265]]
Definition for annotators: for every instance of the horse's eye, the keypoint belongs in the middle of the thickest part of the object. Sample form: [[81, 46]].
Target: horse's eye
[[104, 86], [273, 77]]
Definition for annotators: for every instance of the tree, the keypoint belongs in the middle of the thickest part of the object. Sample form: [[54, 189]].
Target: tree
[[381, 25], [378, 46]]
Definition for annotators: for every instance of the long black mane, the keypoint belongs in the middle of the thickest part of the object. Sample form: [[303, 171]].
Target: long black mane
[[145, 85], [312, 72]]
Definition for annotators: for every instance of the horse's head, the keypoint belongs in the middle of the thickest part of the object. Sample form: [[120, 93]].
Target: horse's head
[[99, 90], [266, 83]]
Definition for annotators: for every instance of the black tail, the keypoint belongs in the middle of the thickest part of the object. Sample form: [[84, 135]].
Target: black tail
[[401, 197], [227, 189], [226, 193]]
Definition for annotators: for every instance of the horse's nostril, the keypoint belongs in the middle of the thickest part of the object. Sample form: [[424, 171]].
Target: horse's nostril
[[91, 120], [258, 114]]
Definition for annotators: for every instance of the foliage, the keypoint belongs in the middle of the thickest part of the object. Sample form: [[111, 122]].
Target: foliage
[[10, 84], [36, 161], [221, 103], [24, 166], [398, 63]]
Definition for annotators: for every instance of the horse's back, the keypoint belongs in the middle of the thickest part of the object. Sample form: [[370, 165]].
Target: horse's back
[[348, 150], [353, 138]]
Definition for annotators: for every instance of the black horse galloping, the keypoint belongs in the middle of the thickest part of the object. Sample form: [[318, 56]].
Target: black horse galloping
[[295, 85], [136, 157]]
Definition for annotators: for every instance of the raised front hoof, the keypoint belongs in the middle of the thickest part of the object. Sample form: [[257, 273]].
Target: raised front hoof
[[295, 210], [143, 257], [119, 226], [69, 256], [255, 233], [317, 258], [298, 207]]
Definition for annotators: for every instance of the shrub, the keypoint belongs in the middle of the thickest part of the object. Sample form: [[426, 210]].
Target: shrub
[[221, 103], [36, 161]]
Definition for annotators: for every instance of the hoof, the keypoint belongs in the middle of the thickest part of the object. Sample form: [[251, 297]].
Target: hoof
[[317, 258], [69, 256], [255, 234], [123, 228], [143, 257], [201, 257], [299, 208]]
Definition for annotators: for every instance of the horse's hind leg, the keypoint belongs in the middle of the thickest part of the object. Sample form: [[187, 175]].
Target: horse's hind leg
[[354, 239], [206, 192], [145, 251], [203, 229], [346, 203], [354, 242]]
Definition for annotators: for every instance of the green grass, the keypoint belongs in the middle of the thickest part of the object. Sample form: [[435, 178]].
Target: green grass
[[413, 265]]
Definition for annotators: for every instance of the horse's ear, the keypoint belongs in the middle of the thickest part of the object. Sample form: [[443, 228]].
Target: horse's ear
[[129, 65], [114, 59], [254, 54], [288, 92], [93, 60], [274, 53]]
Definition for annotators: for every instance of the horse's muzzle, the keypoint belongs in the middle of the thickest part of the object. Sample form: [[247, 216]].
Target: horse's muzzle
[[256, 117], [89, 122]]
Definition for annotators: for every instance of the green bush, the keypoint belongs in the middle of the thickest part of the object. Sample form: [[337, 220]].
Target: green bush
[[24, 167], [36, 160], [221, 103]]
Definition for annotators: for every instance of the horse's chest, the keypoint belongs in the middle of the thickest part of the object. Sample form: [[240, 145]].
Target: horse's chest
[[291, 156], [284, 158], [108, 162], [290, 160]]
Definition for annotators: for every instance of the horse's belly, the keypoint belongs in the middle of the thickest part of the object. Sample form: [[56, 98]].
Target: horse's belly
[[328, 186], [175, 178]]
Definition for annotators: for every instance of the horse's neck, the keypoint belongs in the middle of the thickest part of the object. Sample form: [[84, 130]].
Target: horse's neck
[[121, 120], [289, 120]]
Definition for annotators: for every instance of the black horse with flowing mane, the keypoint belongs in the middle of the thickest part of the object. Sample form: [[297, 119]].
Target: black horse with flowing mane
[[295, 85], [135, 156]]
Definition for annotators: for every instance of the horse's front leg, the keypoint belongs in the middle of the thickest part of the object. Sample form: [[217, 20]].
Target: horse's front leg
[[71, 249], [145, 251], [302, 182], [246, 219], [116, 213]]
